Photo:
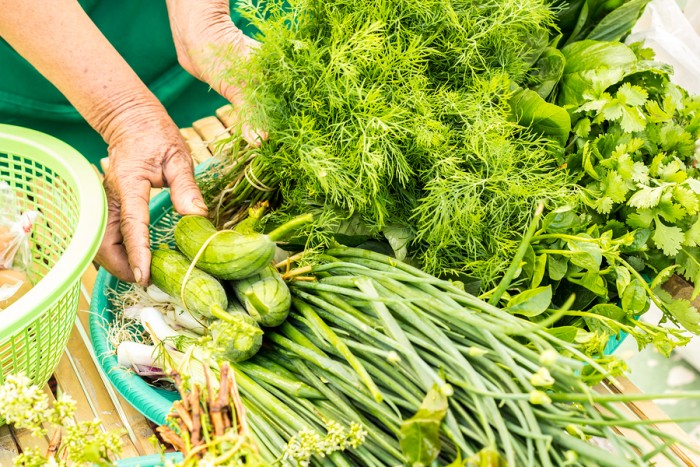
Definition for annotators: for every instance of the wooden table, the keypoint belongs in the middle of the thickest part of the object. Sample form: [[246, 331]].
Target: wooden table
[[79, 376]]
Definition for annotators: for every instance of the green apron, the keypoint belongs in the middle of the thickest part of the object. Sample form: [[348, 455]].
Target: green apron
[[140, 31]]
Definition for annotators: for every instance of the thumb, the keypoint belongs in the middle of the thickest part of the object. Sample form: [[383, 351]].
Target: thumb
[[178, 173]]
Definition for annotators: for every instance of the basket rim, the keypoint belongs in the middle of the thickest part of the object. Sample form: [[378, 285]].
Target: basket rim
[[67, 162]]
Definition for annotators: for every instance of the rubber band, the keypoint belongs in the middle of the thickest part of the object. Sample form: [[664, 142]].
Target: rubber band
[[255, 183], [193, 264]]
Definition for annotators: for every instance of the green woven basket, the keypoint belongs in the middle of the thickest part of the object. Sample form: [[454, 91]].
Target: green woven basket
[[54, 179]]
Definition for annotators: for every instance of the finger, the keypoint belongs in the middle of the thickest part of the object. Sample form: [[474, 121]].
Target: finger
[[112, 254], [253, 136], [134, 227], [184, 193]]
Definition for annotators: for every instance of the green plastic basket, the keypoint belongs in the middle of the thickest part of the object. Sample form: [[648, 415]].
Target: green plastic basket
[[54, 179]]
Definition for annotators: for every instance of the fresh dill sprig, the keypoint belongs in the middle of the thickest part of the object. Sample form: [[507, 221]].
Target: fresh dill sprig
[[396, 113]]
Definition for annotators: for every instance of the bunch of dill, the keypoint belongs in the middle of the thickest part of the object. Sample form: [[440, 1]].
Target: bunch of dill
[[395, 113]]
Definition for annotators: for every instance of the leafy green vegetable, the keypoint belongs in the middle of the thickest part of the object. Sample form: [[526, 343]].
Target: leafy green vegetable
[[420, 435], [531, 110], [531, 302], [398, 114]]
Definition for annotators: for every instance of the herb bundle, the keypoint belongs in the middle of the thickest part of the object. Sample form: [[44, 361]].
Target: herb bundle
[[396, 115]]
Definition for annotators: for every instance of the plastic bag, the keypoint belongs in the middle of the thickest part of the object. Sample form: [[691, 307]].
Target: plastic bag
[[15, 231], [13, 285], [673, 35]]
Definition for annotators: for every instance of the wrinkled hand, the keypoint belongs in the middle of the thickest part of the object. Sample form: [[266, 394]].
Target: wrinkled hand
[[200, 29], [146, 150]]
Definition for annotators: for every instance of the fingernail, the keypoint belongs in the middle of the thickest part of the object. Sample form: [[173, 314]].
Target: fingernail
[[199, 204], [137, 275]]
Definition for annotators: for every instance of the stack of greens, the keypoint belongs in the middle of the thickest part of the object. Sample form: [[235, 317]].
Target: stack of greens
[[394, 117], [439, 125], [380, 363]]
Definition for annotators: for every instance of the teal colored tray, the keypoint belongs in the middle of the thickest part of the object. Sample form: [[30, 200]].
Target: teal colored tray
[[153, 403], [154, 460]]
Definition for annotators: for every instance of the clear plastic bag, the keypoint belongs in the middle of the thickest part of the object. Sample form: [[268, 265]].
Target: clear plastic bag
[[15, 231], [13, 285]]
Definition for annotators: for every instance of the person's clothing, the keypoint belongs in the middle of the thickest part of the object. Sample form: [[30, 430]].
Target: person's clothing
[[140, 31]]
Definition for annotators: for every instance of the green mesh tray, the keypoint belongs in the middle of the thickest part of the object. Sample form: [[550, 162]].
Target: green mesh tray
[[153, 403], [52, 178]]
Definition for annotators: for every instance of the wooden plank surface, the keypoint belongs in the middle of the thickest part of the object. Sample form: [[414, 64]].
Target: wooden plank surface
[[211, 130], [648, 410], [140, 427], [228, 116], [196, 145], [8, 446]]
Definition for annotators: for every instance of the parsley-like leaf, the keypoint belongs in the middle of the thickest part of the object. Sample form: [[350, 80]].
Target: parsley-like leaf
[[632, 95], [668, 238], [647, 197]]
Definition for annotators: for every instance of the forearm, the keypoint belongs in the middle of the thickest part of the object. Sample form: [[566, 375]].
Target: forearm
[[63, 44]]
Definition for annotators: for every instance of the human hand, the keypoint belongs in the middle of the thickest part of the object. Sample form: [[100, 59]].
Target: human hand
[[200, 29], [145, 150]]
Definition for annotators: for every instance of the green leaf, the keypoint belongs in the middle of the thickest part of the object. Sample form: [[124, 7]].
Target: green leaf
[[632, 119], [619, 22], [565, 333], [688, 261], [647, 197], [632, 95], [560, 220], [641, 219], [592, 65], [587, 255], [663, 276], [532, 302], [655, 114], [685, 313], [613, 312], [686, 198], [539, 270], [531, 110], [420, 435], [594, 282], [399, 237], [583, 128], [668, 239], [693, 184], [622, 279], [634, 299], [557, 266], [548, 71]]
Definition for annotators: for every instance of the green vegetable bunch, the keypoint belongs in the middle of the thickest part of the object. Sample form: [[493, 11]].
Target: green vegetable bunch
[[633, 150], [393, 118]]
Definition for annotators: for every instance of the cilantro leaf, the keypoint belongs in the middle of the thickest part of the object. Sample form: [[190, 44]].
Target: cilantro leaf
[[632, 95], [686, 198], [668, 238], [641, 219], [688, 261], [685, 313], [647, 197], [632, 119], [692, 235]]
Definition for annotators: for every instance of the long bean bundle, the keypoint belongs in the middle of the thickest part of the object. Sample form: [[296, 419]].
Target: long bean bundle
[[373, 336]]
